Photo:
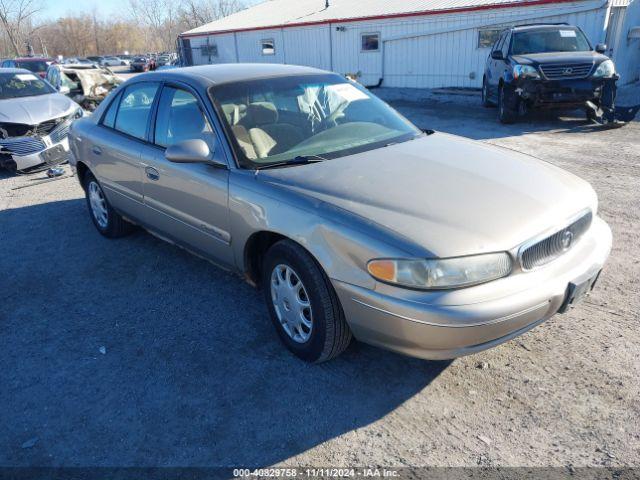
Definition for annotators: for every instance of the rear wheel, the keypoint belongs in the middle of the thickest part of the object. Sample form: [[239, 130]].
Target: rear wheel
[[507, 110], [303, 306], [485, 94], [108, 222]]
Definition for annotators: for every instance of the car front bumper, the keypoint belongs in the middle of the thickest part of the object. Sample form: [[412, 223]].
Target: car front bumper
[[53, 154], [558, 93], [443, 326]]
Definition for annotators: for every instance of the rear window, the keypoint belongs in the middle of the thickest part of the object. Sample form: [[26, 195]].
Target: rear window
[[547, 41]]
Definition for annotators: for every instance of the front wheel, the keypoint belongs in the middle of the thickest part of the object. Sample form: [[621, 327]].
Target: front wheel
[[303, 305], [108, 222], [507, 112]]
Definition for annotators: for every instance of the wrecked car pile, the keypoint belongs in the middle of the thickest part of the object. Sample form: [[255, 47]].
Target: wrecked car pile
[[87, 85]]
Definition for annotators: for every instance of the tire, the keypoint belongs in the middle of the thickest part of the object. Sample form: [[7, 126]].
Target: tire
[[325, 334], [506, 112], [485, 94], [108, 222]]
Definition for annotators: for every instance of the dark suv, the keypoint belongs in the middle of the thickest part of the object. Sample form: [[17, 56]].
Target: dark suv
[[550, 65]]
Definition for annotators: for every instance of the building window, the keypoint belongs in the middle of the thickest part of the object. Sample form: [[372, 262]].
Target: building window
[[370, 42], [209, 50], [487, 37], [268, 46]]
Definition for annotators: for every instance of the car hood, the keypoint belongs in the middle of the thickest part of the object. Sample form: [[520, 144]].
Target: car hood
[[559, 58], [447, 195], [36, 109]]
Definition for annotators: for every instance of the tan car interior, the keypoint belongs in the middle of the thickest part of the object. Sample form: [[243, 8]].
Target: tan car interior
[[258, 131]]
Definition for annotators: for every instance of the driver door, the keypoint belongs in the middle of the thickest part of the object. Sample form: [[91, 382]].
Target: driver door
[[496, 67], [187, 202]]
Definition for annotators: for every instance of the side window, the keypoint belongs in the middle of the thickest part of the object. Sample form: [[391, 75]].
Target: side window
[[109, 119], [500, 42], [268, 46], [135, 108], [505, 45], [370, 42], [180, 118]]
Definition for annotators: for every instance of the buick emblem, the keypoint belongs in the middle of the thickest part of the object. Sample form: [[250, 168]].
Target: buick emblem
[[567, 240], [567, 71]]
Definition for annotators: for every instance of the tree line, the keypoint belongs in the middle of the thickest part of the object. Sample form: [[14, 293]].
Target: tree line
[[146, 26]]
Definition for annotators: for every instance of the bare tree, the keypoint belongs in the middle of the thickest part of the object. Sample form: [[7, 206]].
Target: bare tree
[[161, 18], [15, 16], [154, 26], [194, 13]]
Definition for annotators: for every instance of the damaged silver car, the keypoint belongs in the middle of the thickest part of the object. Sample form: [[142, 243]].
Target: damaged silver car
[[87, 85], [34, 122]]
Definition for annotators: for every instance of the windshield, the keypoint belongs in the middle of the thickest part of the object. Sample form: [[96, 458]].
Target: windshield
[[276, 120], [545, 41], [15, 85], [33, 66]]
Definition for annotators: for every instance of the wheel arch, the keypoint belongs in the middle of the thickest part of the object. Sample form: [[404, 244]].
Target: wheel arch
[[81, 171], [255, 248]]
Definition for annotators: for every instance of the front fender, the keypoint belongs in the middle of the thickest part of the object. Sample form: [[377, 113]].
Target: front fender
[[341, 243]]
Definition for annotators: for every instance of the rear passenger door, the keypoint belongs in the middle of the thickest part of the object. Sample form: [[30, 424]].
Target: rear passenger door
[[115, 150], [187, 202]]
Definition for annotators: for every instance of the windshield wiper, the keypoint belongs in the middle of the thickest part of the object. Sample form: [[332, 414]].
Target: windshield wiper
[[299, 160]]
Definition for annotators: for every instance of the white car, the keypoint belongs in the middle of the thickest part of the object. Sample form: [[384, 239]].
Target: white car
[[34, 122], [114, 62]]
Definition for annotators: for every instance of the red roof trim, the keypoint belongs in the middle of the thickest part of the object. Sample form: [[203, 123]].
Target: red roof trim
[[528, 3]]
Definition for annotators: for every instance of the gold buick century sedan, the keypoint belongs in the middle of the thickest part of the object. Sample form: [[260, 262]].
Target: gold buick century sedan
[[354, 222]]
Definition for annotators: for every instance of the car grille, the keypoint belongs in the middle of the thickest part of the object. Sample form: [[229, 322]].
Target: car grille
[[559, 72], [22, 145], [548, 249], [57, 130], [60, 132]]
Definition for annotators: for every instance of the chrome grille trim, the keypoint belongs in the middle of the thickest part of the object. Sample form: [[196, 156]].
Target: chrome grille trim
[[22, 145], [559, 72], [60, 132], [548, 247]]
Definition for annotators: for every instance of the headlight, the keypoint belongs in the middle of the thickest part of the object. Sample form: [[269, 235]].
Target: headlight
[[441, 273], [525, 71], [605, 70]]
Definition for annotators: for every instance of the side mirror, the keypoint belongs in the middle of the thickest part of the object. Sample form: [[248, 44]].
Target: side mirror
[[497, 55], [64, 90], [601, 48], [191, 151]]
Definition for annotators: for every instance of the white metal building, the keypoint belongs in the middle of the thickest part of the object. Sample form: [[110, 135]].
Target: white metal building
[[403, 43]]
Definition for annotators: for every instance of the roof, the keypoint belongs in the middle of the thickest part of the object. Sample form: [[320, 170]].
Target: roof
[[207, 75], [33, 59], [543, 26], [15, 70], [289, 13]]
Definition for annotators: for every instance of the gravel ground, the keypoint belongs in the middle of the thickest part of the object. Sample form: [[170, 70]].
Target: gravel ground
[[135, 353]]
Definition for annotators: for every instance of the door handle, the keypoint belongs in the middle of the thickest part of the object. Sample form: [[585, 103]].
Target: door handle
[[97, 150], [152, 173]]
